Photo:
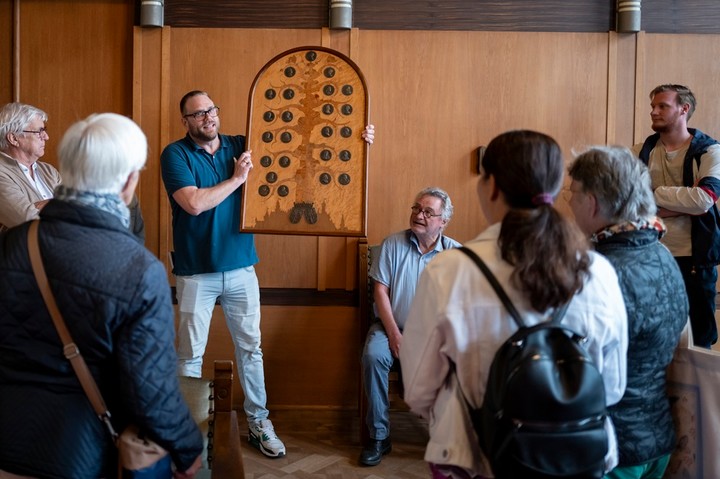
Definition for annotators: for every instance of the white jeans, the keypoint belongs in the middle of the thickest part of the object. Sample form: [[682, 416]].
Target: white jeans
[[239, 295]]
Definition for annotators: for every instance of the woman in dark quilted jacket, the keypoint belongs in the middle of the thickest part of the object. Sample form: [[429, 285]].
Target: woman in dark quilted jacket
[[614, 205], [114, 296]]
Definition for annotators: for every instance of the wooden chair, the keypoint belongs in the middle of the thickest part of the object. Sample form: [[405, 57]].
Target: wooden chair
[[367, 316], [210, 402]]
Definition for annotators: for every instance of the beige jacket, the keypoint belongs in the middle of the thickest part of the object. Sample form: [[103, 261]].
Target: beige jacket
[[17, 194]]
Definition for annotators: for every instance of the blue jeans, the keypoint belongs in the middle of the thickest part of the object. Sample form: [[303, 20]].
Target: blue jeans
[[239, 295], [377, 360]]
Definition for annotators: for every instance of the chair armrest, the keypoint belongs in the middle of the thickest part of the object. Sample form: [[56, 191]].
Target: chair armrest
[[227, 460]]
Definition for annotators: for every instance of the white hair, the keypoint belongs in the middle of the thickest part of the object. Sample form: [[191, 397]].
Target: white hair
[[98, 154]]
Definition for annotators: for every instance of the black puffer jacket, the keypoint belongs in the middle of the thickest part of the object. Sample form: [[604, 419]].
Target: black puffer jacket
[[657, 309], [115, 299]]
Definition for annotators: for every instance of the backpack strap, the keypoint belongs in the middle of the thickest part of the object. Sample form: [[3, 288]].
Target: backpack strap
[[647, 147], [556, 316]]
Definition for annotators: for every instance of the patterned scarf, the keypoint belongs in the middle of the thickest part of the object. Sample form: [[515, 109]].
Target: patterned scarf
[[653, 223], [108, 202]]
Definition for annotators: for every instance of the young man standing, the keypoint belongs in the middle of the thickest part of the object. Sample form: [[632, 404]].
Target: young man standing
[[684, 168]]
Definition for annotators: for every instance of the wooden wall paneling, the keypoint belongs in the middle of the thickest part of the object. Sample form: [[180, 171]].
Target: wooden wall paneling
[[351, 261], [16, 50], [611, 88], [323, 243], [75, 59], [7, 50], [148, 113], [622, 49], [166, 117], [437, 96], [224, 63], [340, 41], [487, 15], [642, 102], [681, 16], [247, 14], [354, 43], [658, 16], [287, 261], [311, 356], [332, 262], [622, 99], [325, 40], [689, 60]]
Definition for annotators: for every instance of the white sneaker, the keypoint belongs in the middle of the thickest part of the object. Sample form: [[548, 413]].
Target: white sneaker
[[262, 436]]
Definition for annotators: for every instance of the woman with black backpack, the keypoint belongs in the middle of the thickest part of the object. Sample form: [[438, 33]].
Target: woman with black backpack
[[458, 323]]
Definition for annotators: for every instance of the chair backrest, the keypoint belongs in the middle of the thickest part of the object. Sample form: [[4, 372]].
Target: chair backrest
[[198, 393], [366, 253], [210, 403]]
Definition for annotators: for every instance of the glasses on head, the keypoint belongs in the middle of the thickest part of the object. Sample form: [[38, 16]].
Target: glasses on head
[[427, 212], [40, 133], [200, 115]]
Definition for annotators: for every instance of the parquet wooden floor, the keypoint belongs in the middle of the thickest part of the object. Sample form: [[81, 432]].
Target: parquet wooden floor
[[326, 444]]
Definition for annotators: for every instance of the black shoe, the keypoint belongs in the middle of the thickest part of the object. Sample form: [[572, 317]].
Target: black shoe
[[372, 453]]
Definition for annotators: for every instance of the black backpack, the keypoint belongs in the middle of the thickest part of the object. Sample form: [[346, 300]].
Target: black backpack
[[544, 409]]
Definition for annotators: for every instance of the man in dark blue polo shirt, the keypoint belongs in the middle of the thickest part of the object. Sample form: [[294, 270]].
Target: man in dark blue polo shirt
[[202, 174]]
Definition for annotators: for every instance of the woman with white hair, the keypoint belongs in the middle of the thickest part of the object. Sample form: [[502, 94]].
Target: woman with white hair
[[114, 296]]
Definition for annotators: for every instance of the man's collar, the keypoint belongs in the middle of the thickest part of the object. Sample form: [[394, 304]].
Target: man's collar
[[412, 237], [194, 144]]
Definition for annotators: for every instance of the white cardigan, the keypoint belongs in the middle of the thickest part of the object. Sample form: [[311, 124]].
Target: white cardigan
[[456, 317]]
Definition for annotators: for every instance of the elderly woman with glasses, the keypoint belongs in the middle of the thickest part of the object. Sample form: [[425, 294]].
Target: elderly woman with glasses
[[26, 184]]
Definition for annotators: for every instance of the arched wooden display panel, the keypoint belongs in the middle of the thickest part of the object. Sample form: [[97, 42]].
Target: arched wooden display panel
[[307, 110]]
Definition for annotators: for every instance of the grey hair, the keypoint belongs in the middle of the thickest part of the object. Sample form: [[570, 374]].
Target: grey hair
[[98, 154], [619, 181], [447, 206], [14, 118]]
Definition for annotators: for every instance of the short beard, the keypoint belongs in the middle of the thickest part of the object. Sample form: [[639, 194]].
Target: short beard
[[203, 137], [660, 128], [199, 134]]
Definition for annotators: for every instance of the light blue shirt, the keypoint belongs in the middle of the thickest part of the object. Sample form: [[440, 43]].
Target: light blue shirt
[[399, 265]]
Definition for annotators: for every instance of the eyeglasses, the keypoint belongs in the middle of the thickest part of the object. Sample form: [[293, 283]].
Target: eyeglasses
[[200, 115], [40, 133], [427, 212]]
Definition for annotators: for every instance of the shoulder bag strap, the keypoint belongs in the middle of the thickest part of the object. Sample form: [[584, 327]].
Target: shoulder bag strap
[[70, 349], [556, 316]]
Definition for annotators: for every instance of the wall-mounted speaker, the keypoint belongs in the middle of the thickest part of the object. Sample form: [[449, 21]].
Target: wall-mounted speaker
[[341, 14], [628, 16], [152, 13]]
